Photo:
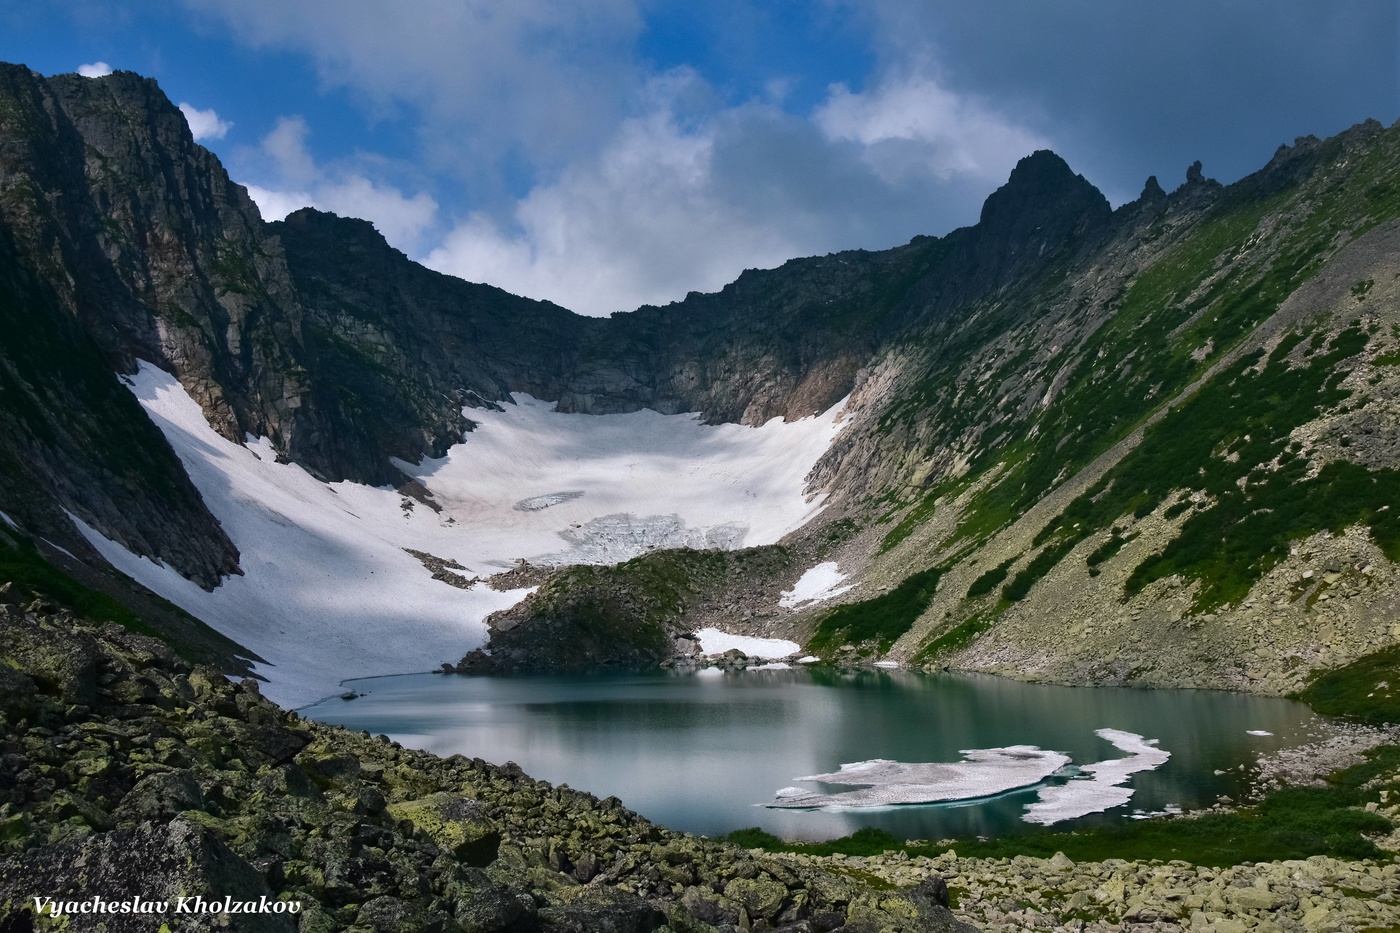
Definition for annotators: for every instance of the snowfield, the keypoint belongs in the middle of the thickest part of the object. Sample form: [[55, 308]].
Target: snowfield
[[329, 593]]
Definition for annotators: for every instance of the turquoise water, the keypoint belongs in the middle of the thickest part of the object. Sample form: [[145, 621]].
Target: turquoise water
[[701, 752]]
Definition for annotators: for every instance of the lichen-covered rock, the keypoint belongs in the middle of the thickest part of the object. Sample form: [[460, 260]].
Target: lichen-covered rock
[[158, 862], [456, 823]]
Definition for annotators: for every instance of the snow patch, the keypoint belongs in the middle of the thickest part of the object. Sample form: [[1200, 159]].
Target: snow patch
[[62, 550], [983, 772], [9, 521], [1257, 732], [1102, 788], [714, 641], [887, 664], [818, 584]]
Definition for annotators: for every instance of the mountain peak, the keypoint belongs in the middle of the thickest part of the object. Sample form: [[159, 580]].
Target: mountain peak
[[1042, 187]]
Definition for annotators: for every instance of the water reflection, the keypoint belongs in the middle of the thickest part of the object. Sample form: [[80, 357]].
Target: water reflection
[[698, 753]]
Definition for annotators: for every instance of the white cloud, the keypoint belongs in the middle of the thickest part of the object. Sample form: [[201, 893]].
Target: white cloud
[[912, 124], [95, 70], [205, 124], [639, 187], [676, 204], [489, 78], [641, 224], [299, 182]]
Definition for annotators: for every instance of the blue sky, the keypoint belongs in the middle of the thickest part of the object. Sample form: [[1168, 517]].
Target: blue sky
[[607, 153]]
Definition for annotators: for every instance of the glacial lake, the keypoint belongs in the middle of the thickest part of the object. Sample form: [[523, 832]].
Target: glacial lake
[[704, 752]]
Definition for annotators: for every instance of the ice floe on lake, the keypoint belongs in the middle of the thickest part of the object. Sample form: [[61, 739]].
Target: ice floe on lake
[[818, 584], [1101, 786], [987, 772], [983, 772]]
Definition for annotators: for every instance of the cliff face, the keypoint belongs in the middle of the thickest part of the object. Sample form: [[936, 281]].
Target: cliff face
[[80, 256]]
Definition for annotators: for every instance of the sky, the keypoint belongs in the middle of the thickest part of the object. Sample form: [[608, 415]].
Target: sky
[[604, 154]]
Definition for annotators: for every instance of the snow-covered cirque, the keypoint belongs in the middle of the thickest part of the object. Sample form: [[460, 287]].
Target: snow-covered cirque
[[1102, 787], [714, 641], [328, 592], [817, 585], [983, 772]]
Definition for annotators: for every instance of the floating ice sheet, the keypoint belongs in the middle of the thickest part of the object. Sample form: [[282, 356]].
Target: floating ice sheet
[[1101, 788], [983, 772]]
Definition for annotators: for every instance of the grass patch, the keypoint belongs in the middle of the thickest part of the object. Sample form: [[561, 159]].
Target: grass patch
[[1231, 442], [990, 580], [956, 638], [36, 578], [1366, 690], [1040, 565], [917, 516], [884, 618], [1116, 540]]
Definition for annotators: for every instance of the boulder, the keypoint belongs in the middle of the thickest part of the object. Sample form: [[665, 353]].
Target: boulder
[[458, 824]]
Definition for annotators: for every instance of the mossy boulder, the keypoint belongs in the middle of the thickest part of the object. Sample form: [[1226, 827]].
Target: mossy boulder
[[458, 824]]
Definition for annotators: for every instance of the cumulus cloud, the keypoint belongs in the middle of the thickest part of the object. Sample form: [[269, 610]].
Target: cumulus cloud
[[548, 77], [95, 70], [642, 223], [205, 124], [575, 172], [912, 124], [674, 203], [298, 181]]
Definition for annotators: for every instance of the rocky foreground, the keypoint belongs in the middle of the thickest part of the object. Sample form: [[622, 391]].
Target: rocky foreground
[[125, 772], [1316, 895]]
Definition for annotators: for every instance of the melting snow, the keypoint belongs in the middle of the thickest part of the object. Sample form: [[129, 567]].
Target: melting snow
[[714, 641], [983, 772], [327, 592], [1102, 788], [819, 584], [1257, 732], [9, 521]]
